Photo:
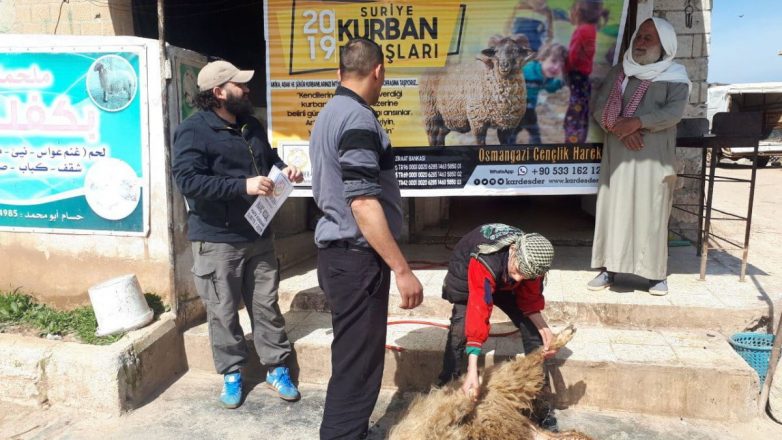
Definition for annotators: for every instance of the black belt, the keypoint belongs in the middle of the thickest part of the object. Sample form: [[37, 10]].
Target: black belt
[[349, 245]]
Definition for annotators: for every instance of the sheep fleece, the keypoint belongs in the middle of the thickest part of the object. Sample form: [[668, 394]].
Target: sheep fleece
[[471, 96], [507, 389]]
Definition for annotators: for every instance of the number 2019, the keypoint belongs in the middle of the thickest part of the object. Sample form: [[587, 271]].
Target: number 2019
[[322, 22]]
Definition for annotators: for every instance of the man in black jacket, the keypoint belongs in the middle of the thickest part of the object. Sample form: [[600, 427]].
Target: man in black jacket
[[221, 160]]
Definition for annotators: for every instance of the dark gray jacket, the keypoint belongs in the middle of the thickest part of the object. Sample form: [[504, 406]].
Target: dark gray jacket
[[212, 160]]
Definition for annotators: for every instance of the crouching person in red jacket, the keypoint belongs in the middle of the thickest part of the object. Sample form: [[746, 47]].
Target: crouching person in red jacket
[[496, 264]]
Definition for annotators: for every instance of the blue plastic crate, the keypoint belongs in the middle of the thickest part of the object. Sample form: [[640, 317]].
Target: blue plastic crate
[[755, 348]]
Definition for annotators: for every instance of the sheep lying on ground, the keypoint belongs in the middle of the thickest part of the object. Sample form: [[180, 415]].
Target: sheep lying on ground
[[507, 389], [476, 96], [113, 82]]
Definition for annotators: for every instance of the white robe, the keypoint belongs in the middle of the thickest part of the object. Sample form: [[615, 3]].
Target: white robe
[[636, 187]]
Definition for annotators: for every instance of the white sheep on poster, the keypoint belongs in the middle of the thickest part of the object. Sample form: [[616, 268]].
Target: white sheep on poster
[[475, 96], [114, 82]]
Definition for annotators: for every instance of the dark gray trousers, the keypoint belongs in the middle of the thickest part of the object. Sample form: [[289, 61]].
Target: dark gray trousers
[[356, 283], [227, 274]]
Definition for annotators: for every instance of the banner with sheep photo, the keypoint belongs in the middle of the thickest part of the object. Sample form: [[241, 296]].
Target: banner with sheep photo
[[72, 143], [480, 96]]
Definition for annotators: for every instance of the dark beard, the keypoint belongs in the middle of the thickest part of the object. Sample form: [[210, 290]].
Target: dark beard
[[239, 106]]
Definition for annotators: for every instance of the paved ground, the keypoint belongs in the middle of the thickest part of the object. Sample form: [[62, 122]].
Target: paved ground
[[188, 410], [765, 253]]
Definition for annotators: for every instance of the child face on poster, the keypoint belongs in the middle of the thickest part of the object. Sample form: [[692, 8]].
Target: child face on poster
[[552, 66], [552, 58]]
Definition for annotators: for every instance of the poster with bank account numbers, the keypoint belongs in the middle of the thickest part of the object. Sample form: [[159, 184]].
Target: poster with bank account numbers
[[431, 49], [72, 142]]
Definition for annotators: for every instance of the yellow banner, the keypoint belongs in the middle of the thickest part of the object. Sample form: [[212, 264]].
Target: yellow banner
[[411, 35], [451, 43]]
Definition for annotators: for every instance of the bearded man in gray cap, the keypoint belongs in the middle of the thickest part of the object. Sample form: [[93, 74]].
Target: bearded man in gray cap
[[496, 264], [221, 161]]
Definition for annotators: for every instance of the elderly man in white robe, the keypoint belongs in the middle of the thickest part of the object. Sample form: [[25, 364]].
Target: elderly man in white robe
[[638, 106]]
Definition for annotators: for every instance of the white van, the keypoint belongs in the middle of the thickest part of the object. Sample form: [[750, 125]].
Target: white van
[[765, 97]]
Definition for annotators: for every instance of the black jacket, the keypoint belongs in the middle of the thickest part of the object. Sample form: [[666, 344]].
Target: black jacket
[[211, 162], [455, 288]]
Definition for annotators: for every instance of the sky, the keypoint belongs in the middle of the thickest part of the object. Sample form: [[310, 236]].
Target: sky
[[746, 39]]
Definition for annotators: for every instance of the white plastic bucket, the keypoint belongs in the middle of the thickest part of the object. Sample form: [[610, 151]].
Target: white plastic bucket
[[119, 305]]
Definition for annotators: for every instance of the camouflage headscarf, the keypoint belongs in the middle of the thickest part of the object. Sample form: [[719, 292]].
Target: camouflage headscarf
[[534, 252]]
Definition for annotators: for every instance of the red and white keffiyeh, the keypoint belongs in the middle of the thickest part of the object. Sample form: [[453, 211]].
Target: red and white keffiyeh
[[614, 104]]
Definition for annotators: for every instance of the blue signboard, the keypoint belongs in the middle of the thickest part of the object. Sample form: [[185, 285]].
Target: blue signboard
[[72, 144]]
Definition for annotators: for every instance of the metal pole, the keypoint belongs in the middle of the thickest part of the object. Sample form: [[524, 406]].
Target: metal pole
[[745, 254], [164, 79], [707, 224], [749, 212], [701, 197]]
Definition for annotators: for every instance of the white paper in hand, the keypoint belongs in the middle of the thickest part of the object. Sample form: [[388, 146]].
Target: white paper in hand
[[264, 208]]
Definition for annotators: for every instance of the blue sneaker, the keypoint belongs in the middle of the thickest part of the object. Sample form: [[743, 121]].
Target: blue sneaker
[[231, 397], [279, 379], [658, 287], [603, 280]]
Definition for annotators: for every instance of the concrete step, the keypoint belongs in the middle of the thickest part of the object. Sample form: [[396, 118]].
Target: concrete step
[[684, 373], [96, 379], [720, 303]]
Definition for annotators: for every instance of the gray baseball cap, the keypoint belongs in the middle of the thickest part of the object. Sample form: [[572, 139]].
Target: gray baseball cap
[[218, 73]]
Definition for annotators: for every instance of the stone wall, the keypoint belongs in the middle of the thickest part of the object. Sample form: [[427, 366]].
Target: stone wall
[[693, 53], [57, 17]]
